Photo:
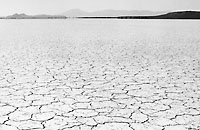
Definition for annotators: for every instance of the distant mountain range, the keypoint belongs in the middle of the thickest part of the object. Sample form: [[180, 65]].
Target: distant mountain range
[[108, 13], [117, 14]]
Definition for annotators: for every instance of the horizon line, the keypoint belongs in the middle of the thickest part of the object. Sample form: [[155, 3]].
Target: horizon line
[[60, 14]]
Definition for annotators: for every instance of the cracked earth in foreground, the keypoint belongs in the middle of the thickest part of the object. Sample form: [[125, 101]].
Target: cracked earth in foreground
[[124, 78]]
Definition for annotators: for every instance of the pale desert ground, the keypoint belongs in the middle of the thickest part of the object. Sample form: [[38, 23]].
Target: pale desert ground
[[99, 75]]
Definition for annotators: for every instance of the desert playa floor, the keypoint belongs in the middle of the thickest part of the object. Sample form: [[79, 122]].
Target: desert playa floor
[[102, 83]]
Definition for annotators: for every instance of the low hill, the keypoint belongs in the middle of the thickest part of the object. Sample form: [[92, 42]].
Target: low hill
[[17, 16], [43, 16], [172, 15]]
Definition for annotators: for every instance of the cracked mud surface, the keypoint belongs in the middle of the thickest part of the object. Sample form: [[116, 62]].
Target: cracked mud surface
[[120, 78]]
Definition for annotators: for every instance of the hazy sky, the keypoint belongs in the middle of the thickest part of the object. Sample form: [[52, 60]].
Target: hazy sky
[[8, 7]]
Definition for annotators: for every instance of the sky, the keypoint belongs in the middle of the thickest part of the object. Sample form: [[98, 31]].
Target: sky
[[8, 7]]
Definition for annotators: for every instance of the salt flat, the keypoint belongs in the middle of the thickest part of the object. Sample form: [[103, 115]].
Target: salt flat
[[99, 74]]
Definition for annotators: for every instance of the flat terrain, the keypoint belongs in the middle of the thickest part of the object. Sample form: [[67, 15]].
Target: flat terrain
[[99, 75]]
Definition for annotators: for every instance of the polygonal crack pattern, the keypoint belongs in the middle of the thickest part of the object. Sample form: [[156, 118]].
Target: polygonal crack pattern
[[109, 86]]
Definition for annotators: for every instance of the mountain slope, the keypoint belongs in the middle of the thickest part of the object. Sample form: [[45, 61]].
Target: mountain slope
[[182, 15], [171, 15]]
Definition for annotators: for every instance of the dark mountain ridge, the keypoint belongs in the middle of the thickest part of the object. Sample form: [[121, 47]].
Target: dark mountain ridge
[[171, 15]]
